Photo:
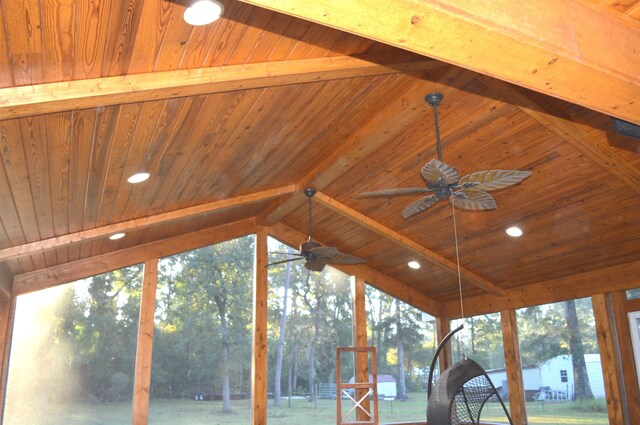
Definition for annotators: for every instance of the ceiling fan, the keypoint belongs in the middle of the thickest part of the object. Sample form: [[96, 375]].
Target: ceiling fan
[[315, 255], [469, 192]]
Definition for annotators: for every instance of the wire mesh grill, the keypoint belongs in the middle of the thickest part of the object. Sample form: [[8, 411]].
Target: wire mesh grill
[[460, 394]]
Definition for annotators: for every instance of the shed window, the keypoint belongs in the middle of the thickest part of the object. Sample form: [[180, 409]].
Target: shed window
[[563, 376]]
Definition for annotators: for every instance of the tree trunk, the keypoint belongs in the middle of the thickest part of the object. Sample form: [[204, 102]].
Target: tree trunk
[[226, 391], [312, 357], [402, 388], [277, 391], [580, 376]]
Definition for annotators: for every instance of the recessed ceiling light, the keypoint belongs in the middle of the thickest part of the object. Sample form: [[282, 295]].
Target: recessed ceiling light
[[117, 236], [514, 231], [414, 265], [138, 178], [203, 12]]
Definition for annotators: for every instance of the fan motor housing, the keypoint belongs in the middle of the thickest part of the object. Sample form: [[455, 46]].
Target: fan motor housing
[[306, 247]]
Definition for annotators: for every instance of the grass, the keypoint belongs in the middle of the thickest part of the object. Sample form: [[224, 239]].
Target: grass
[[301, 412]]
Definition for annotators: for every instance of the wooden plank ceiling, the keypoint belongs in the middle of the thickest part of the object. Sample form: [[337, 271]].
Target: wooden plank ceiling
[[233, 119]]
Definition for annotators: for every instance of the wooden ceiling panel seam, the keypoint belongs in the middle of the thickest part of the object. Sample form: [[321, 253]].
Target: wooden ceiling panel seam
[[6, 67], [92, 24], [24, 37], [83, 128], [230, 38], [58, 129], [58, 36], [249, 36], [149, 33]]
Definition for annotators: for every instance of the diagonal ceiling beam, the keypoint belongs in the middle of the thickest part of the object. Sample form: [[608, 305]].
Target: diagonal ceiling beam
[[609, 279], [80, 94], [570, 49], [599, 152], [80, 269], [140, 223], [376, 279], [405, 242], [406, 109]]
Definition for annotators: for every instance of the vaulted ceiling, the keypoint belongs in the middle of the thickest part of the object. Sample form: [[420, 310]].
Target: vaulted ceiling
[[235, 118]]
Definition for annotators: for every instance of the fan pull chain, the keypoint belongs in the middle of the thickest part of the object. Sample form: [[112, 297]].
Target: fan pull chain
[[455, 236]]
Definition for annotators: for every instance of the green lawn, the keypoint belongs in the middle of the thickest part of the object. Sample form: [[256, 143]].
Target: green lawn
[[301, 412]]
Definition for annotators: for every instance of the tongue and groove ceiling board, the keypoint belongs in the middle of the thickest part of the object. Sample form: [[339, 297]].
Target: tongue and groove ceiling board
[[263, 103]]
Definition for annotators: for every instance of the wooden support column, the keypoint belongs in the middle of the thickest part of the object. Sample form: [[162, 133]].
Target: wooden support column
[[609, 346], [517, 402], [621, 307], [361, 361], [443, 327], [144, 351], [259, 352], [7, 313]]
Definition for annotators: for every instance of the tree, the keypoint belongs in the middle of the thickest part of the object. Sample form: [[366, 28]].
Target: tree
[[281, 337], [576, 348], [402, 388]]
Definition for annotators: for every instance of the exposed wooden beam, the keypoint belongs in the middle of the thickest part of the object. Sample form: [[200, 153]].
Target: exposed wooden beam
[[408, 108], [598, 151], [81, 94], [140, 223], [373, 277], [406, 242], [69, 272], [568, 49], [609, 279], [144, 348]]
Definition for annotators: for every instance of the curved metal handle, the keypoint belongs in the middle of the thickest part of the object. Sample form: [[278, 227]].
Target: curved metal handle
[[435, 356]]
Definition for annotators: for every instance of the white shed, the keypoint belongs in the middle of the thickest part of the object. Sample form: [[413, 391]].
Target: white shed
[[386, 385]]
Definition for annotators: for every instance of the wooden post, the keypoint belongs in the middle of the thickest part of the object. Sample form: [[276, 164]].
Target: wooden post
[[144, 351], [7, 317], [609, 346], [361, 361], [517, 402], [443, 327], [621, 307], [259, 352]]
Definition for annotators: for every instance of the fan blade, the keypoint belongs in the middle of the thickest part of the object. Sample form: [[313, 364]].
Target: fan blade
[[473, 199], [395, 191], [494, 179], [419, 206], [285, 253], [286, 261], [342, 258], [324, 252], [436, 171], [314, 265]]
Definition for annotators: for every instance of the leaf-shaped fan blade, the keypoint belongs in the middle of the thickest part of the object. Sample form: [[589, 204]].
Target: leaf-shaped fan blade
[[299, 257], [324, 252], [419, 206], [473, 199], [342, 258], [314, 265], [495, 179], [434, 171], [395, 191]]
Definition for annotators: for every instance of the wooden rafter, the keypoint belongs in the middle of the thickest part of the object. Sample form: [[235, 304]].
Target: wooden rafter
[[609, 279], [376, 279], [599, 152], [80, 269], [406, 242], [72, 95], [140, 223], [566, 49], [408, 108]]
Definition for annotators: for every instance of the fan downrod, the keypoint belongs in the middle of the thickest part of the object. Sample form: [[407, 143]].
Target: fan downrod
[[434, 99]]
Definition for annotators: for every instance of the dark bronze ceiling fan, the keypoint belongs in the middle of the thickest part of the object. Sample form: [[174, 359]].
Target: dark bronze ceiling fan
[[444, 182], [315, 255]]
